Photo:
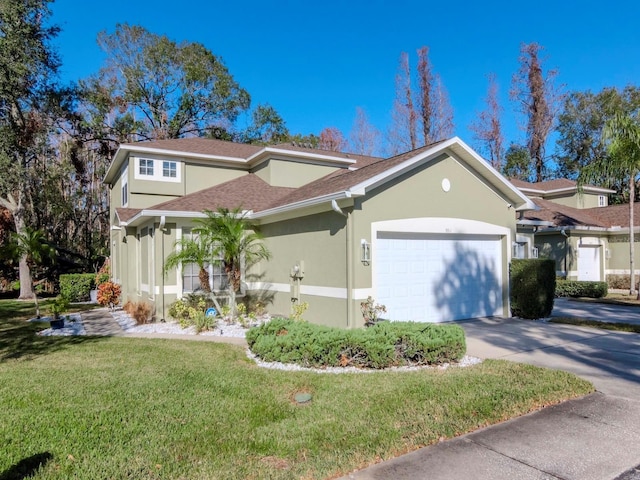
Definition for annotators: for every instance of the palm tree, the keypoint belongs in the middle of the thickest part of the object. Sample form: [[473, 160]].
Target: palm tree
[[233, 243], [622, 137], [195, 250], [30, 248]]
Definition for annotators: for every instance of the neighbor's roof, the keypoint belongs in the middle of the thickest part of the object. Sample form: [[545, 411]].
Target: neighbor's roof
[[557, 185], [564, 216]]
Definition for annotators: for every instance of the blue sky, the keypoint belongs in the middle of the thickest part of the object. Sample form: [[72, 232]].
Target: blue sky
[[315, 62]]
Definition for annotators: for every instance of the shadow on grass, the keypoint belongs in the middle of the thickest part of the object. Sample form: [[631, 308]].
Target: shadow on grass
[[18, 340], [26, 467]]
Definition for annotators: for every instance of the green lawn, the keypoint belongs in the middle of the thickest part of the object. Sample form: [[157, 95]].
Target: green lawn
[[581, 322], [25, 309], [94, 408]]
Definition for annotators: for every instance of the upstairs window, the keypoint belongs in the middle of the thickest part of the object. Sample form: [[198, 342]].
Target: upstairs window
[[157, 170], [146, 167], [169, 169], [124, 191]]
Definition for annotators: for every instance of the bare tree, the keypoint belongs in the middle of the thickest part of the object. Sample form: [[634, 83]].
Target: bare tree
[[442, 126], [332, 139], [538, 101], [402, 135], [429, 103], [487, 128], [364, 136]]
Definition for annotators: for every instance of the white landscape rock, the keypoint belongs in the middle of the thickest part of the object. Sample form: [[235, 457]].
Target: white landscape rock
[[72, 326]]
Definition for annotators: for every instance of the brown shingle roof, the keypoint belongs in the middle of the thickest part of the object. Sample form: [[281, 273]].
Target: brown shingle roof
[[126, 214], [563, 216], [202, 146], [615, 215], [361, 160], [249, 192]]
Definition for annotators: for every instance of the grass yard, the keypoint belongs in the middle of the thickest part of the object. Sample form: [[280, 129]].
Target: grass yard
[[581, 322], [25, 309], [93, 408]]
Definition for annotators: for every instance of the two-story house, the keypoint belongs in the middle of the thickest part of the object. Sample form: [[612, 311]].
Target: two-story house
[[428, 233]]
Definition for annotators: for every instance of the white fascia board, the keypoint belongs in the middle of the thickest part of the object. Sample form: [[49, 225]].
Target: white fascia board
[[578, 228], [158, 213], [184, 153], [126, 149], [535, 223], [461, 149], [458, 146], [302, 204], [174, 213], [114, 167], [588, 189], [267, 151]]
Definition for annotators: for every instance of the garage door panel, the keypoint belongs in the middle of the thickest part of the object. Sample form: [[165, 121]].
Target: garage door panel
[[435, 278]]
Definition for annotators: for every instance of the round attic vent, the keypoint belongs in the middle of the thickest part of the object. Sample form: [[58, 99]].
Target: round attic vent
[[446, 184]]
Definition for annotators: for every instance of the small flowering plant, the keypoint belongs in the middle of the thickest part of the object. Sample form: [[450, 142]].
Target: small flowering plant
[[371, 311]]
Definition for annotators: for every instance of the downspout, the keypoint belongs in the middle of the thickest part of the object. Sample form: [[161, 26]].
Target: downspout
[[349, 255], [163, 220], [566, 251]]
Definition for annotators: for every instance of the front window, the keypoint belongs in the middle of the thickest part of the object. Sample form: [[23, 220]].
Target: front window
[[169, 169], [191, 274], [146, 167], [602, 200]]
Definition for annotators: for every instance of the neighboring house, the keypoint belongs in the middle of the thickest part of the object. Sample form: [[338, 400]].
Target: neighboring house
[[588, 239], [428, 233]]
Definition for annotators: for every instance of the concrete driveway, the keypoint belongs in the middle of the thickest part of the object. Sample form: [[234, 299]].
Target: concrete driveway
[[591, 438], [610, 360]]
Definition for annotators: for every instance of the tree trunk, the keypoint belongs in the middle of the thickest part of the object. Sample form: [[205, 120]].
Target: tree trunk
[[26, 282], [632, 196], [204, 280]]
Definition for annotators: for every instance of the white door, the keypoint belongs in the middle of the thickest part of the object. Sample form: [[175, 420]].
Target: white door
[[436, 277], [589, 263]]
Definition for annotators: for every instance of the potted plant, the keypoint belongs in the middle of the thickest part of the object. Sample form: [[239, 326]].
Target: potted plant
[[56, 309]]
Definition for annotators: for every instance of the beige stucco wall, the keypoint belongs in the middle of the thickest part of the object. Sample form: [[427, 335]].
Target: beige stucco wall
[[284, 173], [320, 242], [575, 200], [199, 176]]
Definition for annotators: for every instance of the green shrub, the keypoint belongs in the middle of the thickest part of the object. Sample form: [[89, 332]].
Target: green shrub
[[383, 345], [574, 288], [533, 283], [76, 286]]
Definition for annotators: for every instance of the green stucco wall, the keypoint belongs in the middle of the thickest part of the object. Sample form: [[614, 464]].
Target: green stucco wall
[[283, 173]]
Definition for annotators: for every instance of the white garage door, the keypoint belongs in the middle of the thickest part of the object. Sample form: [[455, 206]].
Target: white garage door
[[436, 277]]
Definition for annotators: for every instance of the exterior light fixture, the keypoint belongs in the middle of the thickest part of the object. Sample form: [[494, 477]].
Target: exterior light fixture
[[365, 252]]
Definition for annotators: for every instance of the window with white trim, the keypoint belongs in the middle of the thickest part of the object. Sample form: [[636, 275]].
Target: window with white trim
[[157, 170], [146, 167], [602, 200], [124, 191], [169, 169], [191, 273]]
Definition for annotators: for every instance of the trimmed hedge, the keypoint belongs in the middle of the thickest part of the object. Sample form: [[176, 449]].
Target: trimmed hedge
[[533, 284], [574, 288], [386, 344], [76, 286]]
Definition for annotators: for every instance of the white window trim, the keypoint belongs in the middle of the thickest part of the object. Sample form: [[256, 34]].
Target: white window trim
[[602, 200], [157, 170], [124, 189]]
